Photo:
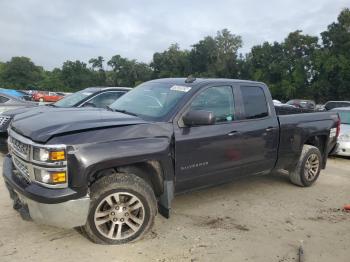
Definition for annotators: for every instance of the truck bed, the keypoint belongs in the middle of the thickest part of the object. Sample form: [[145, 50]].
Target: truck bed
[[295, 129]]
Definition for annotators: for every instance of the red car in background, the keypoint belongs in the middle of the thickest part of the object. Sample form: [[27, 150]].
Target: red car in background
[[44, 96]]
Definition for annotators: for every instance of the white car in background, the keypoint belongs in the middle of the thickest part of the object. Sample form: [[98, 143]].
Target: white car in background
[[343, 147]]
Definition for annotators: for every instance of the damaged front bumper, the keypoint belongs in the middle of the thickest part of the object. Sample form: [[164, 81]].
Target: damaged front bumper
[[41, 205]]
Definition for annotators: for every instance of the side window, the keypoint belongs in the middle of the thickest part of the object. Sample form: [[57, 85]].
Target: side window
[[105, 99], [218, 100], [3, 99], [254, 102]]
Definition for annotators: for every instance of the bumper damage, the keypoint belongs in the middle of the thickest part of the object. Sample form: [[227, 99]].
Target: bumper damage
[[67, 214]]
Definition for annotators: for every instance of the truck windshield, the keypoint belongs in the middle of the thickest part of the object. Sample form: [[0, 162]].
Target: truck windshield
[[73, 99], [151, 100]]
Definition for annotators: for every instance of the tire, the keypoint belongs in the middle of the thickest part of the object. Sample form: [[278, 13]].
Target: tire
[[310, 158], [123, 207]]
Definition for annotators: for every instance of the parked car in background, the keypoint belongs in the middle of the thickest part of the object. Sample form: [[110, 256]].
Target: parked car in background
[[100, 97], [343, 146], [16, 93], [287, 109], [336, 104], [44, 96], [320, 107], [8, 102], [90, 97], [302, 103]]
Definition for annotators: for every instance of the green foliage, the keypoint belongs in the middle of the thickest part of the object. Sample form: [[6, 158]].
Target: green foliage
[[216, 57], [20, 73], [301, 66], [75, 75], [127, 72], [171, 63]]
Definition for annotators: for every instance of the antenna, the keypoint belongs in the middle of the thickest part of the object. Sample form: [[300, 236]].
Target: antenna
[[190, 79]]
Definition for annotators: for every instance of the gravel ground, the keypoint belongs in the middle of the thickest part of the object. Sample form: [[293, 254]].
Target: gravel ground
[[254, 219]]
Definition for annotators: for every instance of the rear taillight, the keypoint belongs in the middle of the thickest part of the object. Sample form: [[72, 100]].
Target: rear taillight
[[338, 127]]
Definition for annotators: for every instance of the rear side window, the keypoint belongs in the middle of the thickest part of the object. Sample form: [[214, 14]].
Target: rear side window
[[254, 102]]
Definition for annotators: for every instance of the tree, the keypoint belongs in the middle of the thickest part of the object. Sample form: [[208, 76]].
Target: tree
[[266, 63], [299, 51], [20, 73], [97, 63], [128, 72], [100, 74], [288, 67], [173, 62], [332, 81], [203, 57], [52, 81], [75, 75], [216, 57]]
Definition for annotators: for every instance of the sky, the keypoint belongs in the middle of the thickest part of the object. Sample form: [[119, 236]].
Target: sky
[[51, 32]]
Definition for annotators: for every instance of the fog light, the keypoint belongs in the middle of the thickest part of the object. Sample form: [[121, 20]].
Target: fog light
[[50, 177], [59, 177]]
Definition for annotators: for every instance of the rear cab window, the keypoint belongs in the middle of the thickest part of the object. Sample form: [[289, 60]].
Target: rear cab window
[[254, 102]]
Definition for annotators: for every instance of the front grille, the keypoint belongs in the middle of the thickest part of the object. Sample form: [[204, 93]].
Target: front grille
[[4, 121], [22, 167], [20, 147]]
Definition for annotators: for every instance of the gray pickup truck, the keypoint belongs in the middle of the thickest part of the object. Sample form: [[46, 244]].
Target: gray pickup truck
[[108, 172]]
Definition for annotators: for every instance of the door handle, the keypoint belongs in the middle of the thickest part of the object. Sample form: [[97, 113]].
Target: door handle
[[269, 129], [233, 133]]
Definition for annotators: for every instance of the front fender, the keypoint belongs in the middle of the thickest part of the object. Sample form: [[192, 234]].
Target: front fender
[[96, 157]]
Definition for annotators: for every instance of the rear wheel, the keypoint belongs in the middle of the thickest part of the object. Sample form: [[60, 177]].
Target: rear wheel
[[308, 168], [123, 208]]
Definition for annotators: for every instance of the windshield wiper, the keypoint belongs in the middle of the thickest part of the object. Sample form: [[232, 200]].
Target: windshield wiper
[[51, 105], [124, 112], [109, 108]]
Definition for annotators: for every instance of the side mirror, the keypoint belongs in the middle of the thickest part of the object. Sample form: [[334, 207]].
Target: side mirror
[[199, 118]]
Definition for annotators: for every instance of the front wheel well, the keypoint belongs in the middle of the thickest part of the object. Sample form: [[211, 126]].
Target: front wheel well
[[150, 171]]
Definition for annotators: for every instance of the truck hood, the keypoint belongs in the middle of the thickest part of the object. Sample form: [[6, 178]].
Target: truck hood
[[13, 112], [41, 124]]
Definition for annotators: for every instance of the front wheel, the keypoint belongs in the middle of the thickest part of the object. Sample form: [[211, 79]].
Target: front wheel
[[308, 168], [123, 208]]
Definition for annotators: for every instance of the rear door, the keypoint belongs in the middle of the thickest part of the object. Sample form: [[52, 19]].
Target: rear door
[[259, 129]]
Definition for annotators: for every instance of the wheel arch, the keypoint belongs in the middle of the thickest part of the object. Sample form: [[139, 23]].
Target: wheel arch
[[320, 141], [151, 171]]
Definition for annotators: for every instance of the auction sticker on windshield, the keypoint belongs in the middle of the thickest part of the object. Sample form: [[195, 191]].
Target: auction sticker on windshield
[[180, 88]]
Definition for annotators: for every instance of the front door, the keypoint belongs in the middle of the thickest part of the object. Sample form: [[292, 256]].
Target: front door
[[207, 154]]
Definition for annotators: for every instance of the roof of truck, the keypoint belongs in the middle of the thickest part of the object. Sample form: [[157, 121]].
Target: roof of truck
[[197, 81]]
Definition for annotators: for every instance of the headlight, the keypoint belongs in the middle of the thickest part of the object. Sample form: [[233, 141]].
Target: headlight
[[50, 177], [48, 155], [344, 138]]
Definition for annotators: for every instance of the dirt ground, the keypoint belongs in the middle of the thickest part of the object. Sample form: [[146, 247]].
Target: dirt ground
[[255, 219]]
